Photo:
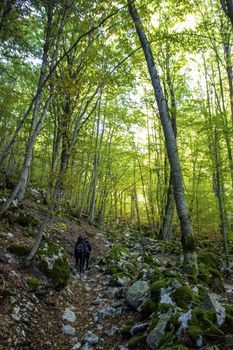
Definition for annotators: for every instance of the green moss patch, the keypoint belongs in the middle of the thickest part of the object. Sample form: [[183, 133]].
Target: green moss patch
[[148, 308], [183, 296], [19, 249], [54, 263], [33, 283], [155, 289], [137, 342]]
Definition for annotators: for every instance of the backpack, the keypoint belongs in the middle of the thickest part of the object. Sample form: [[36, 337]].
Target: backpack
[[88, 247], [79, 248]]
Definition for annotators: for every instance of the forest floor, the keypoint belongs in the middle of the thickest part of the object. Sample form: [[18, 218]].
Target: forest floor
[[39, 317], [41, 313]]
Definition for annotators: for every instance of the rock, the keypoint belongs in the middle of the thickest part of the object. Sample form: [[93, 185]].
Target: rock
[[139, 328], [228, 288], [98, 301], [183, 321], [137, 293], [87, 346], [76, 346], [210, 302], [54, 263], [69, 315], [29, 306], [90, 338], [122, 347], [69, 330], [16, 313], [123, 281], [164, 297], [110, 292], [111, 332], [156, 334], [104, 313]]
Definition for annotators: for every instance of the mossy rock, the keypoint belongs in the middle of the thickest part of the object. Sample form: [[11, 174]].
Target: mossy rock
[[19, 249], [157, 275], [194, 332], [166, 340], [33, 283], [54, 263], [183, 296], [204, 321], [227, 326], [148, 308], [117, 253], [26, 219], [137, 342], [155, 289], [153, 323], [164, 307]]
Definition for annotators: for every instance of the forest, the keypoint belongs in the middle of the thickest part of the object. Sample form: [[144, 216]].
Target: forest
[[116, 121]]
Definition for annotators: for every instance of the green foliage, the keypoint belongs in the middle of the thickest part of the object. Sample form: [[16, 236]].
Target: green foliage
[[137, 341], [19, 249], [148, 308], [183, 296], [155, 289], [33, 283]]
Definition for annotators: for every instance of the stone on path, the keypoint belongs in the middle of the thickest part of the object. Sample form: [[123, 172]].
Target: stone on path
[[137, 293], [69, 330], [69, 315], [90, 338]]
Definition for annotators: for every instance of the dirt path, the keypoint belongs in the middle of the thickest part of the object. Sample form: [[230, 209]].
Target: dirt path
[[90, 298]]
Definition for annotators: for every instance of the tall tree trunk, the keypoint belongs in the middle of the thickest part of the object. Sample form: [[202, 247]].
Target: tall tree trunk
[[187, 237]]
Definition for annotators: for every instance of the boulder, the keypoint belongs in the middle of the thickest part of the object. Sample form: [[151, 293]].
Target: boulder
[[137, 293], [210, 302], [139, 328], [53, 263], [156, 334]]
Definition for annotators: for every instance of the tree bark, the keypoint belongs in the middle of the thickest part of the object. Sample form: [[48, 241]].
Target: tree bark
[[187, 237]]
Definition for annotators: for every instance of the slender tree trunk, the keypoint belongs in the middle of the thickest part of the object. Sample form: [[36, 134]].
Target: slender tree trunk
[[187, 237]]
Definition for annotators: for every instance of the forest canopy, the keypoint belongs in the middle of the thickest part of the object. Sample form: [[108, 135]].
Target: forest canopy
[[80, 122]]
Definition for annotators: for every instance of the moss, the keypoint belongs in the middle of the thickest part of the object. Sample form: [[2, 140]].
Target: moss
[[166, 340], [137, 341], [33, 283], [54, 263], [19, 249], [27, 219], [164, 307], [189, 243], [157, 275], [125, 330], [194, 332], [209, 259], [204, 320], [148, 308], [153, 322], [155, 289], [148, 259], [227, 326], [229, 310], [183, 296]]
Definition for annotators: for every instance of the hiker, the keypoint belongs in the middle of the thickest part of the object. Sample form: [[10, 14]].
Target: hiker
[[79, 253], [88, 249]]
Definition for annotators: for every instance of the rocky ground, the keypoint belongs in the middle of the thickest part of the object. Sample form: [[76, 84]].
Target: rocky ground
[[134, 297]]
